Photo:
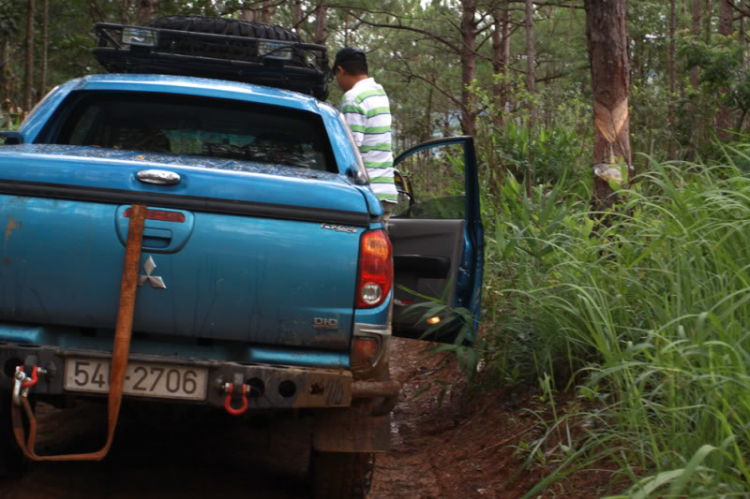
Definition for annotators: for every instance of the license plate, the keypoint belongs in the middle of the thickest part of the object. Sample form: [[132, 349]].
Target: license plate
[[141, 379]]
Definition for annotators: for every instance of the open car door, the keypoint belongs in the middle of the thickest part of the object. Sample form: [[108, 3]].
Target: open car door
[[437, 236]]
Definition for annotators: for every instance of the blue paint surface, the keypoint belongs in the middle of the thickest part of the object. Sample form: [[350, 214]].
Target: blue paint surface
[[256, 280]]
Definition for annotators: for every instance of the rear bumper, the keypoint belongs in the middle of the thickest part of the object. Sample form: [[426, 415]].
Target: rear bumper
[[274, 387]]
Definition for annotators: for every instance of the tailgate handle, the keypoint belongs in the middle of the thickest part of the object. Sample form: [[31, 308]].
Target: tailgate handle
[[158, 177]]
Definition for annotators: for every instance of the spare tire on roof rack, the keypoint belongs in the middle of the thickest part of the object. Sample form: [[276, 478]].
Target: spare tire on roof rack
[[221, 26], [215, 48]]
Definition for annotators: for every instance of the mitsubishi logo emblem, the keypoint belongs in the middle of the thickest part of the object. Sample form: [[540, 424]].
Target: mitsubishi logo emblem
[[155, 281]]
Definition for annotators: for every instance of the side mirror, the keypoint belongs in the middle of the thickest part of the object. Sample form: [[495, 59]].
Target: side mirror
[[359, 177], [11, 138]]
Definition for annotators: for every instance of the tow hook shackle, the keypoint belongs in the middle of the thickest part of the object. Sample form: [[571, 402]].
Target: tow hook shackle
[[29, 382], [22, 383], [244, 392]]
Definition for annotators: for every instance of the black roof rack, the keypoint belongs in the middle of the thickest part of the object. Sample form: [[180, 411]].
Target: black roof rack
[[287, 64]]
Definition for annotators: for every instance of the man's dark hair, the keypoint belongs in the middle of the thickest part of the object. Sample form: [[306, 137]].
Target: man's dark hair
[[355, 67], [353, 60]]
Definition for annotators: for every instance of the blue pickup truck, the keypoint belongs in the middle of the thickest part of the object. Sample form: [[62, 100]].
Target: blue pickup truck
[[266, 276]]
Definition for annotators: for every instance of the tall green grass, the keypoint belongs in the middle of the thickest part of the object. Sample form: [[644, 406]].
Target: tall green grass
[[647, 314]]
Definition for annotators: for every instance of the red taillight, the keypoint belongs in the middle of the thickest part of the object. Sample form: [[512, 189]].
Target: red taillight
[[375, 269], [163, 215]]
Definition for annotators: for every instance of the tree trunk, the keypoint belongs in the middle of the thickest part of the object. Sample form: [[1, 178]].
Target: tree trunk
[[709, 13], [45, 42], [96, 12], [672, 88], [297, 16], [346, 28], [607, 40], [696, 121], [682, 18], [499, 85], [468, 67], [726, 28], [266, 12], [506, 58], [124, 9], [28, 81], [696, 32], [726, 17], [427, 135], [321, 24], [4, 73], [742, 31], [741, 120], [146, 11], [497, 66], [530, 85], [247, 15], [530, 59]]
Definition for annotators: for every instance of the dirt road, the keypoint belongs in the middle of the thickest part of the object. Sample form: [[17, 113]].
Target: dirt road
[[455, 450]]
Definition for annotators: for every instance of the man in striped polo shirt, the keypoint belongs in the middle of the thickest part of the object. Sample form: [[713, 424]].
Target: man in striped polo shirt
[[368, 114]]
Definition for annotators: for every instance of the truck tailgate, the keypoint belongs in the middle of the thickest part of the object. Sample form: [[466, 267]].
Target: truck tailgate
[[245, 253]]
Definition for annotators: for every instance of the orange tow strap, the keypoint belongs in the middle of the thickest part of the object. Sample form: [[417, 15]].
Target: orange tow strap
[[120, 351]]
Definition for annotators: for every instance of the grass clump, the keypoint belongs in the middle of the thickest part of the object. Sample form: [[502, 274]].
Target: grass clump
[[646, 314]]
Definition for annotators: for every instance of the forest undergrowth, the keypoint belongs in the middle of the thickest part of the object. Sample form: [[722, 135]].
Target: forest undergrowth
[[640, 312]]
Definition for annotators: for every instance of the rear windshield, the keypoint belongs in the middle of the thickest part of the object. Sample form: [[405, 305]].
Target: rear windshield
[[198, 126]]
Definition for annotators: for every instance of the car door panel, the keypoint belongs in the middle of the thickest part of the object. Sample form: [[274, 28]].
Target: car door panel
[[437, 243]]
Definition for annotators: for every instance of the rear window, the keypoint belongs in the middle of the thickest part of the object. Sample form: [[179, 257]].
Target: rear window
[[198, 126]]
